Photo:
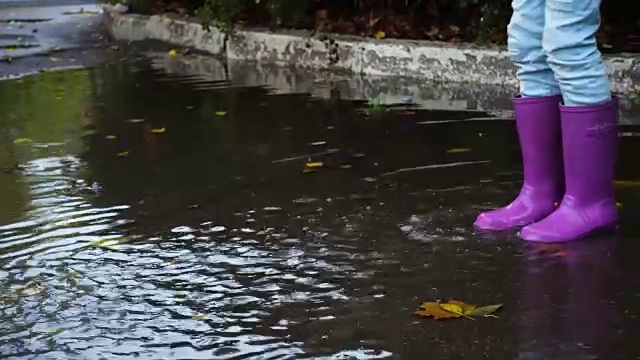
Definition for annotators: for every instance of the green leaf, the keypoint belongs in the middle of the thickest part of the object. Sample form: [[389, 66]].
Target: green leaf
[[485, 310], [55, 332]]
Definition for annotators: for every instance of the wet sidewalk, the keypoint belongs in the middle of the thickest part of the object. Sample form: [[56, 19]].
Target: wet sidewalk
[[47, 35], [154, 213]]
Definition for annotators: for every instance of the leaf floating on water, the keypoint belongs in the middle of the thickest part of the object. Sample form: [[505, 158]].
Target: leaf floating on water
[[73, 278], [109, 243], [466, 308], [22, 141], [381, 35], [627, 183], [455, 309], [458, 150], [55, 332], [434, 310], [318, 143], [110, 137], [123, 154], [199, 317], [309, 170], [221, 113], [173, 52], [305, 200], [317, 164], [158, 131], [32, 288], [485, 310]]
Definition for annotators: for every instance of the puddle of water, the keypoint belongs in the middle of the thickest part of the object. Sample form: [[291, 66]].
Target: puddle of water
[[158, 216]]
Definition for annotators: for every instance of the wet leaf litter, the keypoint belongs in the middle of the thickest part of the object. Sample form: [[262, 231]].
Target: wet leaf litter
[[454, 309]]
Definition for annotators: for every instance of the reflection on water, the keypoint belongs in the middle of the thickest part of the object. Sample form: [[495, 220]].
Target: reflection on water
[[156, 216], [575, 315]]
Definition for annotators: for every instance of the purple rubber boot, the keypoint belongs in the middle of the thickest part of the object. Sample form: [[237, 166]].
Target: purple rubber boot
[[590, 139], [538, 125]]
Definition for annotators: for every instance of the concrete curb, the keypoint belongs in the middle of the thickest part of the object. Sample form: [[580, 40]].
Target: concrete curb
[[398, 58]]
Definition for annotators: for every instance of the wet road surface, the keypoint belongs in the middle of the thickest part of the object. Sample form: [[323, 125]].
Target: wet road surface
[[152, 215], [46, 35]]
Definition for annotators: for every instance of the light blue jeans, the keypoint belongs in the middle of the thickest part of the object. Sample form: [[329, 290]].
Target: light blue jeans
[[553, 45]]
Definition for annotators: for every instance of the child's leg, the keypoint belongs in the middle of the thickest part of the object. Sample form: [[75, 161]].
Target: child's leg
[[589, 124], [570, 45], [537, 121], [525, 33]]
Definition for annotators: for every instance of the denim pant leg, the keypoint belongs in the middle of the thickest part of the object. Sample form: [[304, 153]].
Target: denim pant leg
[[569, 41], [524, 41]]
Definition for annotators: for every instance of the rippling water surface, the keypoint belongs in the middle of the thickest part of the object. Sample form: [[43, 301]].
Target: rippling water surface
[[148, 215]]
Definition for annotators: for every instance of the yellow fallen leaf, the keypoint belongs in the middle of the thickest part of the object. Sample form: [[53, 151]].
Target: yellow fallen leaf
[[110, 137], [221, 113], [316, 164], [466, 308], [318, 143], [173, 52], [11, 49], [434, 310], [123, 154], [22, 140], [107, 243], [460, 150], [199, 317], [381, 35], [158, 131], [453, 308]]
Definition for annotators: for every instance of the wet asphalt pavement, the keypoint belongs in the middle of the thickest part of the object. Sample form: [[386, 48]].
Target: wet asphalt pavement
[[46, 35], [161, 207]]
